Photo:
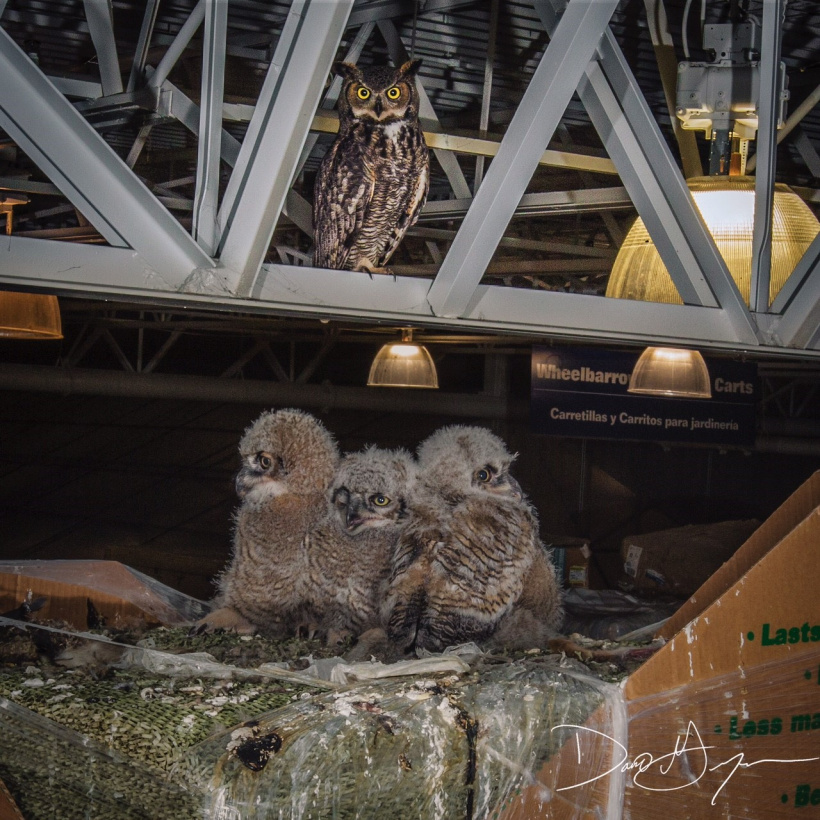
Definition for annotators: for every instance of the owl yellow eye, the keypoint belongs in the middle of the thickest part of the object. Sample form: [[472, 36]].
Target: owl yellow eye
[[393, 93], [484, 475], [363, 93], [380, 500]]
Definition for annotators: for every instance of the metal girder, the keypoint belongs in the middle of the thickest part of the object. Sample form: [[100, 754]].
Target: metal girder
[[807, 151], [178, 46], [767, 107], [625, 123], [487, 91], [144, 41], [287, 290], [798, 301], [551, 202], [449, 163], [270, 151], [534, 123], [88, 172], [210, 125], [99, 15]]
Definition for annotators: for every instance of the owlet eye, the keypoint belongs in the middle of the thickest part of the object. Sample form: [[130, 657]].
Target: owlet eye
[[380, 500], [265, 461], [393, 93], [363, 93], [484, 475]]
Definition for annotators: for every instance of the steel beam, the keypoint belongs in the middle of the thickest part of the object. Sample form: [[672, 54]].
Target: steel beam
[[487, 91], [178, 46], [632, 138], [807, 151], [533, 124], [270, 151], [767, 108], [799, 301], [88, 172], [149, 17], [69, 269], [210, 125], [99, 15]]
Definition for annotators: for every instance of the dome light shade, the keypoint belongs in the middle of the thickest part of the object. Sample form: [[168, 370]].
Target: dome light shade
[[29, 316], [403, 364], [727, 206], [670, 371]]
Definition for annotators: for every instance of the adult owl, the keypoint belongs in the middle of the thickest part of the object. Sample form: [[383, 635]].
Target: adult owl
[[288, 462], [469, 565], [373, 181], [350, 554]]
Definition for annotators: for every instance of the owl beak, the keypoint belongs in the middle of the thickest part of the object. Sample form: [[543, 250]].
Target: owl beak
[[244, 482], [515, 487], [506, 485], [353, 518], [378, 107]]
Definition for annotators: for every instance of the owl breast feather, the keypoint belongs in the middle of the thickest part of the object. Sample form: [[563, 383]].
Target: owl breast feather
[[370, 189]]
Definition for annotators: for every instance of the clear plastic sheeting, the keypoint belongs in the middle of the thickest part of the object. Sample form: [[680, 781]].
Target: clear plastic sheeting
[[60, 774], [480, 745], [119, 587]]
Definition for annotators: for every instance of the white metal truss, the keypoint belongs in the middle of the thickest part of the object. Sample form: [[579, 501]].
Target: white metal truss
[[153, 258]]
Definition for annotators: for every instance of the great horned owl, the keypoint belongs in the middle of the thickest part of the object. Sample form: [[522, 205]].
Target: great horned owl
[[373, 181], [288, 461], [469, 565], [350, 554]]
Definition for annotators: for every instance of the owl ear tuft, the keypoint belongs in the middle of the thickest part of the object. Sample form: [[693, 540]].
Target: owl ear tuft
[[410, 68], [347, 70]]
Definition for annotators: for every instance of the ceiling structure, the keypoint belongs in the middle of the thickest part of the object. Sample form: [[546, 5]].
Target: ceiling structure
[[160, 156]]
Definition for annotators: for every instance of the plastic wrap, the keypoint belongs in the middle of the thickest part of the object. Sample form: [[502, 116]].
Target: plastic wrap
[[187, 735], [119, 591], [741, 744], [56, 773], [470, 746]]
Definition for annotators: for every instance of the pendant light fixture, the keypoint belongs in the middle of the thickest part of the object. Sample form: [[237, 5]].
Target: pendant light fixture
[[672, 372], [403, 364], [27, 315]]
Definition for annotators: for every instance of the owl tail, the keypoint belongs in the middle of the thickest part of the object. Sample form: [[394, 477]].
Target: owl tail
[[403, 625]]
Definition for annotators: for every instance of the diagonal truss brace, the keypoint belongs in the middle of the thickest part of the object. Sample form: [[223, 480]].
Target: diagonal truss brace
[[633, 140], [88, 172], [532, 126], [270, 151]]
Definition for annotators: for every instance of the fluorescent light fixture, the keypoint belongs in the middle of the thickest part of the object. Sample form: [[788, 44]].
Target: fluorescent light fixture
[[727, 206], [403, 364], [671, 371]]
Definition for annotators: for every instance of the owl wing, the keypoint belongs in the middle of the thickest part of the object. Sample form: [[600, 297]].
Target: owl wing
[[482, 560], [342, 194], [414, 202]]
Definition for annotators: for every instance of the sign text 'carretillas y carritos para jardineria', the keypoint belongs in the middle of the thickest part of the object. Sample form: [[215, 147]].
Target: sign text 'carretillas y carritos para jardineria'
[[583, 392]]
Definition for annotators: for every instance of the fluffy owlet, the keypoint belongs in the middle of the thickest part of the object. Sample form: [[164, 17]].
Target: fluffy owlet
[[349, 555], [373, 181], [469, 565], [288, 461]]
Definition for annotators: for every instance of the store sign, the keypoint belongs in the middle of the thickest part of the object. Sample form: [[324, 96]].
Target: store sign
[[583, 392]]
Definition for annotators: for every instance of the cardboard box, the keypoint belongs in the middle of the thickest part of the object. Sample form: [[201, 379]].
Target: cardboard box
[[8, 808], [119, 594], [677, 561], [724, 720], [572, 557], [728, 712]]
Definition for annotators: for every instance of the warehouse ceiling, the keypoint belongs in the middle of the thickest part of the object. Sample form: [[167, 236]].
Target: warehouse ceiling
[[550, 129]]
